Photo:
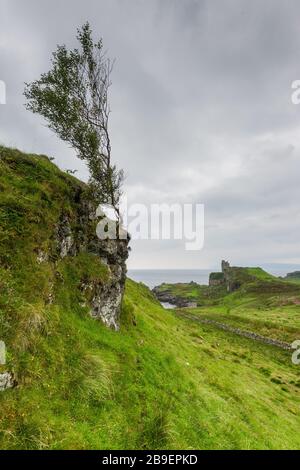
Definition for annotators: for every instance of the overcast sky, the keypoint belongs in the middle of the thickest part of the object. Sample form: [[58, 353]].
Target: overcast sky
[[201, 112]]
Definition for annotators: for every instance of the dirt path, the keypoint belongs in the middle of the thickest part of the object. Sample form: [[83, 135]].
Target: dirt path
[[237, 331]]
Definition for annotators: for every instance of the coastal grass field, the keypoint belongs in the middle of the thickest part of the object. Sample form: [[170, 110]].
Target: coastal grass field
[[161, 382], [263, 304], [281, 323]]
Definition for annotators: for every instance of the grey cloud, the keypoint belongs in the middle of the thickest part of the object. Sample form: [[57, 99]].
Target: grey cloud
[[201, 112]]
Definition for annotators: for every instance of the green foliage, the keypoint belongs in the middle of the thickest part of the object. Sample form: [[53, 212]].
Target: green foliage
[[263, 304], [216, 276], [260, 274], [160, 383], [203, 295], [73, 99]]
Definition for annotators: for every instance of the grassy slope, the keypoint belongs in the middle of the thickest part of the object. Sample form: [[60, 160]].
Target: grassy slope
[[264, 304], [269, 307], [193, 292], [161, 382]]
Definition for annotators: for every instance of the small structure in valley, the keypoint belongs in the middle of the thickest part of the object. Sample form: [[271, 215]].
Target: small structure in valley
[[230, 276], [219, 278]]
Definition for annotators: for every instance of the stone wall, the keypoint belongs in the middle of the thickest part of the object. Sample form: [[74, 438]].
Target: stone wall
[[216, 279], [237, 331]]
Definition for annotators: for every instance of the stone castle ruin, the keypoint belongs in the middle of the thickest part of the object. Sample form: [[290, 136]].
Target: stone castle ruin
[[226, 277]]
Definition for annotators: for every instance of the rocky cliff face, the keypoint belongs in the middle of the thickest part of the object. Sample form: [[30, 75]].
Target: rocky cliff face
[[76, 234], [107, 298]]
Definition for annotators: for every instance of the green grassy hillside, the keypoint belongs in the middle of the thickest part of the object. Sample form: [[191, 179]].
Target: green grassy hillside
[[161, 382], [263, 304]]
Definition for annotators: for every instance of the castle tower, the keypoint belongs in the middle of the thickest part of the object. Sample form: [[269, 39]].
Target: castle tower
[[225, 265]]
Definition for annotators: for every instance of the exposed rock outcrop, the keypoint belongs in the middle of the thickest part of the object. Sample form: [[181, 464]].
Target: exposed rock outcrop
[[6, 381], [79, 234], [107, 298], [65, 237], [167, 297]]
